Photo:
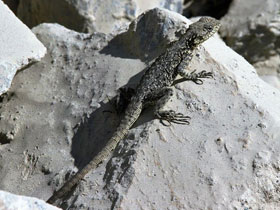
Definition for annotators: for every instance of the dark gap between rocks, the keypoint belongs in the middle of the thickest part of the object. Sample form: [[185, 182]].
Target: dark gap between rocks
[[213, 8], [4, 139]]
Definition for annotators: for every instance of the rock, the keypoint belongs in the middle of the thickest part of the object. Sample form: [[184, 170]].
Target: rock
[[102, 16], [141, 40], [9, 201], [217, 162], [19, 47], [252, 29], [272, 80]]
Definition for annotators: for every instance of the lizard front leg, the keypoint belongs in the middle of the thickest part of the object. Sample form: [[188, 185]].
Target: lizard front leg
[[161, 98], [193, 76]]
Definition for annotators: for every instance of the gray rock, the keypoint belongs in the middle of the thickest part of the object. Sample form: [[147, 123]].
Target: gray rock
[[89, 16], [19, 47], [55, 112], [150, 33], [9, 201], [252, 29]]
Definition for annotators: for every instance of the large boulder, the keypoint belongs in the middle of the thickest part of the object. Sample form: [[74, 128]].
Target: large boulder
[[19, 47], [252, 29], [227, 158], [9, 201], [89, 16]]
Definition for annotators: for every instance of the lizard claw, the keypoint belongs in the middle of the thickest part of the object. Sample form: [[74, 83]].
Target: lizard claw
[[197, 77], [172, 117], [205, 74]]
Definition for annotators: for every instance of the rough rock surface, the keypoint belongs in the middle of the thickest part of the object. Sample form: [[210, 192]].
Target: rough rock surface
[[252, 28], [19, 47], [89, 16], [10, 201], [227, 158]]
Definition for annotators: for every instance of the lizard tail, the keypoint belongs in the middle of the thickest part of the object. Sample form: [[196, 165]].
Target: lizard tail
[[131, 115]]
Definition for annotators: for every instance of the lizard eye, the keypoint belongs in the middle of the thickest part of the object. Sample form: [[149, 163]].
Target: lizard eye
[[208, 28]]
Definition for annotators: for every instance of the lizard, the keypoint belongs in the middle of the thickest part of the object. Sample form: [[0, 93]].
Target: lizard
[[154, 88]]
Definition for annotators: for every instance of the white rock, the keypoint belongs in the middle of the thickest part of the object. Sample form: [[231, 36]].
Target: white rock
[[19, 47], [252, 28], [217, 162], [183, 167], [9, 201], [272, 80], [95, 15]]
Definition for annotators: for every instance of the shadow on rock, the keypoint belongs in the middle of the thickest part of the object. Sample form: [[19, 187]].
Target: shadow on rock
[[96, 130], [93, 133]]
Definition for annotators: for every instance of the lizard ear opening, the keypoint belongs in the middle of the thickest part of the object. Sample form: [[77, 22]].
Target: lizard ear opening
[[194, 36], [180, 32]]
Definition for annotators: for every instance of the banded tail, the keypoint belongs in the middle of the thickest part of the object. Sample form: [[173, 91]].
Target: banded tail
[[132, 113]]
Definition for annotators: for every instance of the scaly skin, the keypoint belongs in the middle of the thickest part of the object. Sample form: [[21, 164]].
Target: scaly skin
[[154, 87]]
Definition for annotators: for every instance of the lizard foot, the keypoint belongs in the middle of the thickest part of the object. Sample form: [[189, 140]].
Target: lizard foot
[[197, 77], [172, 117]]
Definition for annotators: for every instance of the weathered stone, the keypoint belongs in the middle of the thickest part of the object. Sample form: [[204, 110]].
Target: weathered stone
[[9, 201], [252, 28], [150, 33], [88, 16], [219, 161], [19, 47]]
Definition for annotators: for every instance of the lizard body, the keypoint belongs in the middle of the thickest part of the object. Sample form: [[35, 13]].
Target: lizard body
[[153, 87]]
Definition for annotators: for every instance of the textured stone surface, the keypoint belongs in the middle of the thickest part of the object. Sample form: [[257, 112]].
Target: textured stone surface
[[88, 16], [19, 47], [10, 201], [252, 28], [227, 158]]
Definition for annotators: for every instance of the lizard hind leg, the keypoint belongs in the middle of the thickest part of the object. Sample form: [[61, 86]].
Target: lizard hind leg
[[169, 116]]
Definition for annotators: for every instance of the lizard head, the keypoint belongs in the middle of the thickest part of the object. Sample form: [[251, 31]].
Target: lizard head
[[202, 30]]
